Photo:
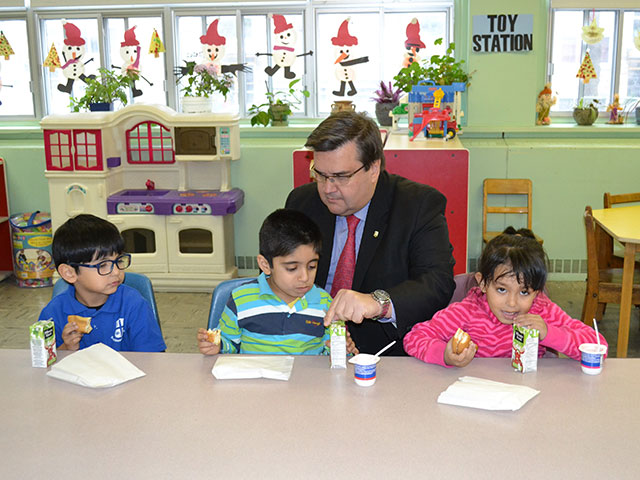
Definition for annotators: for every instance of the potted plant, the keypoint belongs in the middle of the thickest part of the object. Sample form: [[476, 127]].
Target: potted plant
[[203, 80], [386, 99], [441, 69], [101, 92], [586, 114], [277, 108]]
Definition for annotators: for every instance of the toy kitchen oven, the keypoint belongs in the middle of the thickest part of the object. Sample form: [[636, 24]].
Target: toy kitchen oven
[[163, 178]]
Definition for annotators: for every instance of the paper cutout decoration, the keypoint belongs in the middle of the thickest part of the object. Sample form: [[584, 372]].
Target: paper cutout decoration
[[5, 47], [413, 43], [73, 56], [285, 38], [586, 71], [344, 43], [130, 54], [156, 46], [636, 40], [592, 34], [53, 60]]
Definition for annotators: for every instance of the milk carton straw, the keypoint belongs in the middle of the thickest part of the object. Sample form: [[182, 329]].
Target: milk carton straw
[[338, 343]]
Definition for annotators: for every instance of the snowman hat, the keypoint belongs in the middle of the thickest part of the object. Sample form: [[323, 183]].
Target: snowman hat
[[413, 35], [344, 39], [130, 38], [280, 24], [213, 37], [72, 35]]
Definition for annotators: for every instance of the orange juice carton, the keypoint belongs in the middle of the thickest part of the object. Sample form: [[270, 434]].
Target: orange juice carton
[[524, 355], [338, 343], [43, 343]]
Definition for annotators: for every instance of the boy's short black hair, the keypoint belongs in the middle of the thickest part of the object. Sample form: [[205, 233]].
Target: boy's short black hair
[[84, 238], [285, 230], [520, 250]]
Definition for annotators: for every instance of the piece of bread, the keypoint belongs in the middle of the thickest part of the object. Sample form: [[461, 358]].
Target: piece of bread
[[460, 341], [213, 336], [84, 323]]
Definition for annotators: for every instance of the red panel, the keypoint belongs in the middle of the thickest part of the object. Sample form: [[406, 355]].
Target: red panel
[[446, 170], [88, 150], [55, 159], [143, 142], [6, 251]]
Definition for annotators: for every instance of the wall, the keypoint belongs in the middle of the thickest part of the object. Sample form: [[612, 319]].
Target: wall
[[570, 166]]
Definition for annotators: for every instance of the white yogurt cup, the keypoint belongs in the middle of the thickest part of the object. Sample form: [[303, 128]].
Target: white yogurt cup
[[364, 372], [592, 357]]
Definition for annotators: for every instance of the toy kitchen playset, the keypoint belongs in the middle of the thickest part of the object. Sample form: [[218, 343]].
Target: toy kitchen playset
[[163, 178]]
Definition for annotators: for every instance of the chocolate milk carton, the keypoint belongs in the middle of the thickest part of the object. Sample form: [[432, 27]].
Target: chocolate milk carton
[[524, 355], [43, 343], [338, 332]]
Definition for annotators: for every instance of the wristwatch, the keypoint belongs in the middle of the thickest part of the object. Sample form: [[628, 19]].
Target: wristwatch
[[384, 300]]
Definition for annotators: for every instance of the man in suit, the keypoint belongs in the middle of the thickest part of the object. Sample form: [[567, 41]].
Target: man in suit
[[403, 257]]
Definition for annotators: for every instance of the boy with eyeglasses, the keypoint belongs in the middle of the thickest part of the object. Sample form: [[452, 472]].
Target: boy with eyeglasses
[[88, 253]]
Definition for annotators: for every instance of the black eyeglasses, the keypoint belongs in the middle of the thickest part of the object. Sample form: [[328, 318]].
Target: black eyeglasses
[[341, 179], [106, 266]]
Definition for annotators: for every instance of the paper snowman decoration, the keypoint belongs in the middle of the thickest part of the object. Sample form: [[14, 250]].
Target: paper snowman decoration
[[130, 54], [413, 43], [345, 59], [285, 39], [73, 57]]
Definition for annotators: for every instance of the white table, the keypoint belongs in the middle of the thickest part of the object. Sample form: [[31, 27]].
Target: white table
[[623, 224], [180, 422]]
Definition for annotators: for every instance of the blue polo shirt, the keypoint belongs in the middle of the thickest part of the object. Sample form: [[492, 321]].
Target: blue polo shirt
[[125, 322]]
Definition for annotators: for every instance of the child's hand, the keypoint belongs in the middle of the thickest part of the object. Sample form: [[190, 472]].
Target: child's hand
[[459, 359], [529, 320], [351, 345], [205, 346], [71, 337]]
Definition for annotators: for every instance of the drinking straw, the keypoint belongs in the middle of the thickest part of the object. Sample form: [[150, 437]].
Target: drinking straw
[[385, 349]]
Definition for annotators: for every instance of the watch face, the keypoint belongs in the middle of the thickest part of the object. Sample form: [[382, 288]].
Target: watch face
[[381, 296]]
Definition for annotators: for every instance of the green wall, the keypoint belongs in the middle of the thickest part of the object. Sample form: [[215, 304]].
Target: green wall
[[569, 166]]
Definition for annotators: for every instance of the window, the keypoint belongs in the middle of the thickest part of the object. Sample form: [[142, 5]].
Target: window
[[149, 142], [615, 58], [15, 76]]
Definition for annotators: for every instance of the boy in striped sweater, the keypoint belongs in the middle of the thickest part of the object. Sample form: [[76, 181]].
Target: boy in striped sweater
[[511, 277], [282, 311]]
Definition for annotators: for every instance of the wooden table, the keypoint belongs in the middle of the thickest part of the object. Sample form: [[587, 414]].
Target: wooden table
[[623, 224], [180, 422]]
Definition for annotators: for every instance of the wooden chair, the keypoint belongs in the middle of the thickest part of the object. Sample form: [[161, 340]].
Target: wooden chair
[[505, 186], [612, 256], [604, 284]]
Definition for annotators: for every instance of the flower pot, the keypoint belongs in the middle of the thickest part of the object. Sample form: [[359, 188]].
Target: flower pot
[[279, 115], [340, 105], [382, 113], [585, 116], [101, 107], [196, 105]]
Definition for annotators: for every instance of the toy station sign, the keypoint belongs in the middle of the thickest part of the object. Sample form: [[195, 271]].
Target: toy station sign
[[502, 33]]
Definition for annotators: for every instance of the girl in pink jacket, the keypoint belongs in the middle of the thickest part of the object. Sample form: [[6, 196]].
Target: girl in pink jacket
[[512, 274]]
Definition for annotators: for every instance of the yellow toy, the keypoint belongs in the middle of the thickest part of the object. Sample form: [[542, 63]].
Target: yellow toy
[[544, 104], [614, 117]]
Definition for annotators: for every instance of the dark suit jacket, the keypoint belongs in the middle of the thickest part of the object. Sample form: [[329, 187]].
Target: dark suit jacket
[[410, 257]]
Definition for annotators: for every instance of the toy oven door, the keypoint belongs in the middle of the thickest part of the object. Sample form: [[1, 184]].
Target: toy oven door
[[145, 239]]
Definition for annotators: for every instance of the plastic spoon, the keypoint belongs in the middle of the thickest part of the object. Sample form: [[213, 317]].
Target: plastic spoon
[[595, 326], [385, 349]]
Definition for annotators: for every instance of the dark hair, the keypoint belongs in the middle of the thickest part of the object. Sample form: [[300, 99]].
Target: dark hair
[[521, 251], [345, 126], [285, 230], [84, 238]]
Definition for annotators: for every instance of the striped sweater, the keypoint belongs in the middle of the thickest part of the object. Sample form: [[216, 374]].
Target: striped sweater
[[427, 340], [255, 320]]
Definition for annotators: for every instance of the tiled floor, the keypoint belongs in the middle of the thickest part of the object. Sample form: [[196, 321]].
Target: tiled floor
[[181, 314]]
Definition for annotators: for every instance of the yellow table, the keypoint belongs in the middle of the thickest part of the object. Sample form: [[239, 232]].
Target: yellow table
[[623, 224]]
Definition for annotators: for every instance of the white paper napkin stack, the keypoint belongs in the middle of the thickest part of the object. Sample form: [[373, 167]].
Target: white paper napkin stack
[[275, 367], [487, 394], [97, 366]]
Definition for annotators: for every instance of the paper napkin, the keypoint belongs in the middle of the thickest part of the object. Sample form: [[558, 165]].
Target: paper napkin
[[275, 367], [486, 394], [97, 366]]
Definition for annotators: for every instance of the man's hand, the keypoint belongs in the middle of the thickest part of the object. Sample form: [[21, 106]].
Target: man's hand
[[459, 359], [71, 337], [352, 306], [351, 345], [204, 345]]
